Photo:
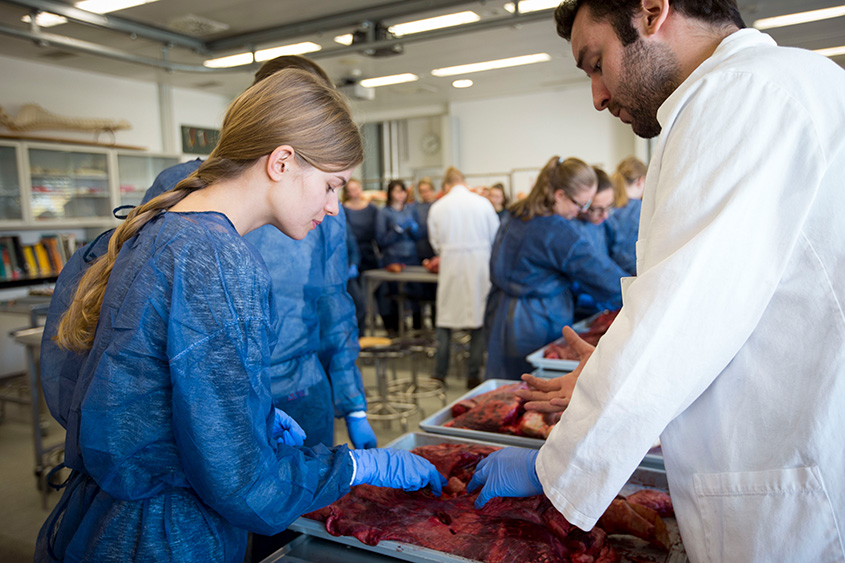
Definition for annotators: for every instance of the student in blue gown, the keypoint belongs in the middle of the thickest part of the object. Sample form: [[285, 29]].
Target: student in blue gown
[[397, 233], [628, 183], [537, 257], [361, 217], [597, 225], [175, 447]]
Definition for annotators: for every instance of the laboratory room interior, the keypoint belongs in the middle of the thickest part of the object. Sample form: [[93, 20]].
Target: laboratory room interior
[[277, 133]]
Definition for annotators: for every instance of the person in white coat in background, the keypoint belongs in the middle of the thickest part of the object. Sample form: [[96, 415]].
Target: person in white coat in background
[[461, 229], [730, 345]]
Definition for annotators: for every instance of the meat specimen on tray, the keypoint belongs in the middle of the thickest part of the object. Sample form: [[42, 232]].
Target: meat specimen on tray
[[517, 530], [502, 412], [560, 350]]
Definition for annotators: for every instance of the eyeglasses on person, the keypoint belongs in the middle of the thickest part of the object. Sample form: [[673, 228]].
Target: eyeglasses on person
[[582, 207], [599, 211]]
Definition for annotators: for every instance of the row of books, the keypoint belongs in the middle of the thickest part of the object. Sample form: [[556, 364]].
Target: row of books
[[46, 258]]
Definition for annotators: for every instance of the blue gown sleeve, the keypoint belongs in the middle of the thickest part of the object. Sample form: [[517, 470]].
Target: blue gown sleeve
[[219, 346], [386, 234], [60, 368], [621, 246], [339, 326]]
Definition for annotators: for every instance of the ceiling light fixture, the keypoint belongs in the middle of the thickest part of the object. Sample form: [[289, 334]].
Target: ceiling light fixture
[[345, 39], [294, 49], [491, 65], [227, 62], [439, 22], [800, 17], [532, 6], [388, 80], [45, 19], [462, 83], [831, 51], [106, 6]]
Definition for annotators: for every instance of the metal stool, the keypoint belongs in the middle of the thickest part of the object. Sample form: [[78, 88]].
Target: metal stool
[[383, 405], [415, 387]]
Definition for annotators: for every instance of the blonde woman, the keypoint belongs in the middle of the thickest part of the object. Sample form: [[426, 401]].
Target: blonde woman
[[628, 183], [175, 447], [537, 258]]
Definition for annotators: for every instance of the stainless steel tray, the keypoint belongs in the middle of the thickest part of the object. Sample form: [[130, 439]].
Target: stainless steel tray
[[642, 477], [537, 360], [435, 424]]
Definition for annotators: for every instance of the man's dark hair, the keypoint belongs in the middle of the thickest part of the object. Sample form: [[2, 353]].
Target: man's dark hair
[[620, 14]]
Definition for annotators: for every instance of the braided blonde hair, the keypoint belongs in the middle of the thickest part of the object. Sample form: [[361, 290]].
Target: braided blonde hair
[[291, 107]]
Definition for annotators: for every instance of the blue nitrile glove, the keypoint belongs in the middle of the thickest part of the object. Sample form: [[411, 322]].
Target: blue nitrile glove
[[508, 472], [360, 432], [399, 469], [286, 430], [353, 272], [412, 226]]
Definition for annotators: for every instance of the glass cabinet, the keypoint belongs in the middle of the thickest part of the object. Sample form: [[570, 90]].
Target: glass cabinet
[[10, 187], [68, 184], [137, 172]]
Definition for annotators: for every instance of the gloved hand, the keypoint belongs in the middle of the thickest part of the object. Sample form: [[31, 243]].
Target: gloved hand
[[412, 226], [353, 272], [286, 430], [508, 472], [360, 432], [398, 469]]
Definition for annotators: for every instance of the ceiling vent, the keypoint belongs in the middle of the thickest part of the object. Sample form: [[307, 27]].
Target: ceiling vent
[[370, 32], [196, 26]]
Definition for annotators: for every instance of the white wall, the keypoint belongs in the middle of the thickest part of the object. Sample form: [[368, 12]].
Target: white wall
[[523, 132], [74, 93]]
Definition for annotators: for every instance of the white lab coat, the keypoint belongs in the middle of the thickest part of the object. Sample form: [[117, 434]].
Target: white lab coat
[[461, 229], [731, 342]]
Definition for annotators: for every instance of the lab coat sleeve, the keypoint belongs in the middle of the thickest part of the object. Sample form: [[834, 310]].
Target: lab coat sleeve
[[729, 200], [433, 230], [338, 325], [218, 344]]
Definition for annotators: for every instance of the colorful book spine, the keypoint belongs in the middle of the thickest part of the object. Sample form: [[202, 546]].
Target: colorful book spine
[[45, 269], [31, 264], [51, 243]]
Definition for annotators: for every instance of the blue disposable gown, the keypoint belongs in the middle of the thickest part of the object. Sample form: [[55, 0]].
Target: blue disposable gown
[[532, 269], [397, 243], [313, 373], [363, 223], [169, 422], [622, 229]]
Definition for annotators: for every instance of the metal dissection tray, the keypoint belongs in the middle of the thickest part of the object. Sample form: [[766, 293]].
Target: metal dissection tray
[[435, 424], [636, 549], [544, 364]]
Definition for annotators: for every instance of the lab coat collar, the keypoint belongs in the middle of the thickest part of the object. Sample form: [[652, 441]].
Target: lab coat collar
[[730, 45]]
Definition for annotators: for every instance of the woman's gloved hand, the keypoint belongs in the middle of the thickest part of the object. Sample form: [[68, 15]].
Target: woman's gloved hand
[[508, 472], [398, 469], [360, 432], [286, 430]]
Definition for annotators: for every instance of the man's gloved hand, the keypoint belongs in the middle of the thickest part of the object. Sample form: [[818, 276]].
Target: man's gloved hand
[[360, 432], [286, 430], [508, 472], [398, 469]]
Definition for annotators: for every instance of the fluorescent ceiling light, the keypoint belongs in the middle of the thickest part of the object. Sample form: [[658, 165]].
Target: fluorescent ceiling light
[[106, 6], [45, 19], [230, 61], [532, 6], [831, 51], [295, 49], [438, 22], [491, 65], [388, 80], [462, 83], [345, 39], [800, 17]]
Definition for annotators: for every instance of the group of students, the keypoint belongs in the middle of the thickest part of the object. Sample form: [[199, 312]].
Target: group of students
[[159, 345]]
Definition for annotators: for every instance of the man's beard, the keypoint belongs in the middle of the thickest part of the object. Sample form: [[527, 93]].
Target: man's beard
[[652, 73]]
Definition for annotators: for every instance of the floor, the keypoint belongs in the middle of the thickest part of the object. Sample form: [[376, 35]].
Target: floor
[[21, 512]]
